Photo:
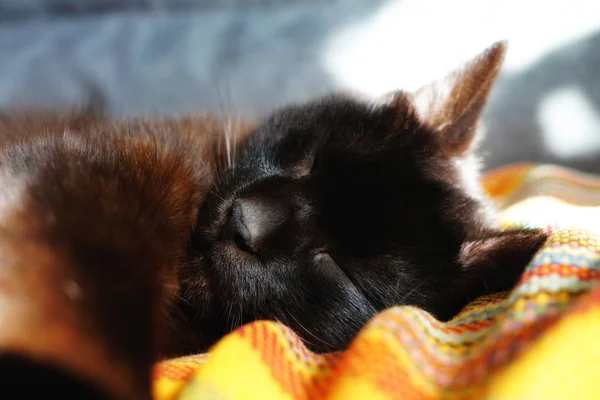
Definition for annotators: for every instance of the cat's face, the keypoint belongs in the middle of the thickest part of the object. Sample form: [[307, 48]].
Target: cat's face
[[339, 208]]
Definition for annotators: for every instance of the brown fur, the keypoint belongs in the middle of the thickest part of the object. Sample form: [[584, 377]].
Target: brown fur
[[94, 217]]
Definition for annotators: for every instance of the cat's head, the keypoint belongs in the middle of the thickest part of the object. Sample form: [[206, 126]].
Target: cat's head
[[340, 207]]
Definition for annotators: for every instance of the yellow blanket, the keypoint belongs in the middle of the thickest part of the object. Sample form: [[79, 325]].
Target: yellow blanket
[[541, 341]]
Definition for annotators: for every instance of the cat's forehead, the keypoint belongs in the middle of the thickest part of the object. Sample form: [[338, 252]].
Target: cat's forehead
[[334, 117], [342, 127], [333, 111]]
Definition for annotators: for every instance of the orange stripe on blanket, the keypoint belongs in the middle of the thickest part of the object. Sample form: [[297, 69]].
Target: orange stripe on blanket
[[502, 181]]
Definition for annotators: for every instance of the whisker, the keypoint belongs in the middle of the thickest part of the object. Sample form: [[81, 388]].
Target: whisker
[[304, 339], [227, 134], [229, 314], [218, 194], [413, 289], [241, 314], [308, 331], [186, 301], [237, 135]]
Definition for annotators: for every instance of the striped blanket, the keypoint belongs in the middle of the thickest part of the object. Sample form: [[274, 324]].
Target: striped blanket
[[540, 341]]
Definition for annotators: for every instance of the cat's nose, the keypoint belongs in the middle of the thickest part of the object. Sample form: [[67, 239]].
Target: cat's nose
[[254, 221]]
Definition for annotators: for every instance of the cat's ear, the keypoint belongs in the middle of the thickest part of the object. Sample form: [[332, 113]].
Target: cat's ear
[[495, 262], [453, 105]]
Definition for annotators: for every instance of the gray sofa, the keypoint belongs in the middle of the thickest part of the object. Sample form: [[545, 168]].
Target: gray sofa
[[242, 56]]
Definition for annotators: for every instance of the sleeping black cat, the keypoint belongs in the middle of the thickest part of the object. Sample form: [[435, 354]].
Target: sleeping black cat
[[332, 211], [339, 208]]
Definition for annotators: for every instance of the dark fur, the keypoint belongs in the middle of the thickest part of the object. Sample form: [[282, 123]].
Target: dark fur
[[371, 213], [333, 211]]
